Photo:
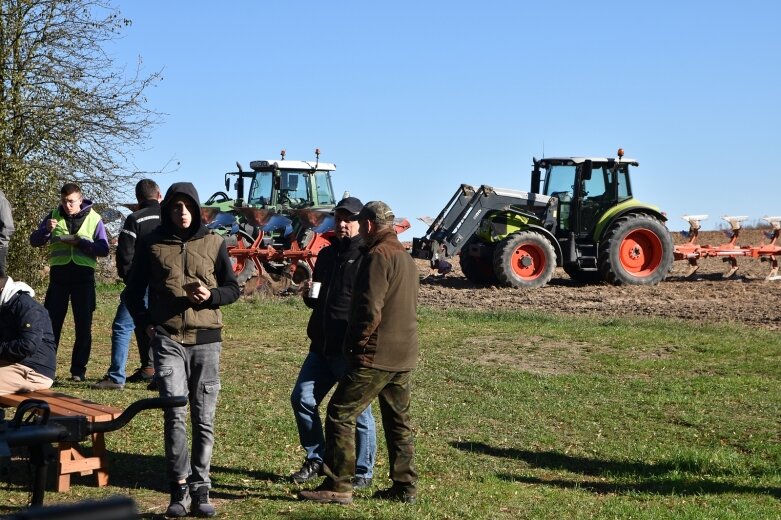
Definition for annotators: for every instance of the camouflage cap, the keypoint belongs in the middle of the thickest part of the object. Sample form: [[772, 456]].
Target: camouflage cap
[[377, 212]]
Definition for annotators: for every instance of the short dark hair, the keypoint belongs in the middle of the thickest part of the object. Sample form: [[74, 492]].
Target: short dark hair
[[69, 188], [147, 189]]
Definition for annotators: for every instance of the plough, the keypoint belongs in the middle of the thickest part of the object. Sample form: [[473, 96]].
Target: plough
[[729, 252], [295, 259]]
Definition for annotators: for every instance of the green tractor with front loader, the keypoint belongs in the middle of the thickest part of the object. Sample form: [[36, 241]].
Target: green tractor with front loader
[[585, 219]]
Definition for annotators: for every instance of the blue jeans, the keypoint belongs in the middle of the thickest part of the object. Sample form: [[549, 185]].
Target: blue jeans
[[192, 371], [318, 375], [121, 330]]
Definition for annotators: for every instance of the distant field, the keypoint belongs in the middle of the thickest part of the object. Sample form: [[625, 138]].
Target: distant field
[[517, 415]]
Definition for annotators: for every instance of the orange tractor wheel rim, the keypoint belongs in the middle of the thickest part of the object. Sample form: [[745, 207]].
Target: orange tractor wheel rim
[[640, 252], [528, 261]]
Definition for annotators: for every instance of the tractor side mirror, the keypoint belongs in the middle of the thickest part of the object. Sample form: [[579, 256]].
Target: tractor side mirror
[[585, 172]]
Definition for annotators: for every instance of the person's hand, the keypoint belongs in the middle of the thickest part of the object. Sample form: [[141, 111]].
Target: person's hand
[[303, 287], [51, 224], [197, 294], [150, 331]]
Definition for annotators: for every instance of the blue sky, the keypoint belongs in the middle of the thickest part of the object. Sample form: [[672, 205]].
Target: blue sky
[[411, 99]]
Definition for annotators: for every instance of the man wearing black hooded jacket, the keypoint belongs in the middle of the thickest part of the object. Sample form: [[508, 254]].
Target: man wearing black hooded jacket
[[326, 363], [189, 275]]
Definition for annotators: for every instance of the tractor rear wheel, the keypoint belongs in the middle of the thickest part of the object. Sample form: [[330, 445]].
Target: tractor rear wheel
[[524, 259], [478, 269], [637, 250]]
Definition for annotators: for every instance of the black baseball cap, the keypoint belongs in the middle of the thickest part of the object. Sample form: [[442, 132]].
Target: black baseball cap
[[351, 205]]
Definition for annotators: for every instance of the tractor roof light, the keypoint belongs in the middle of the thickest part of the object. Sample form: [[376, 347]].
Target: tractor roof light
[[620, 153]]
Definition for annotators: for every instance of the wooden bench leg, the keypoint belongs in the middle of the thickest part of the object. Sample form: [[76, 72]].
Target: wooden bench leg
[[72, 461], [64, 479], [99, 451]]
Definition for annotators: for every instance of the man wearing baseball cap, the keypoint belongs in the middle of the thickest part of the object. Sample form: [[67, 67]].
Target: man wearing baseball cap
[[326, 364], [382, 348]]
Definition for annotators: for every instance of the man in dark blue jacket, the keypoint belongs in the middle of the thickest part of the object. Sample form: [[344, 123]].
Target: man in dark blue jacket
[[137, 225], [28, 354]]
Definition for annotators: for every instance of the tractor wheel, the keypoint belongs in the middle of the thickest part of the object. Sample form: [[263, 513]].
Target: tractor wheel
[[302, 273], [477, 269], [244, 270], [580, 276], [637, 250], [524, 259]]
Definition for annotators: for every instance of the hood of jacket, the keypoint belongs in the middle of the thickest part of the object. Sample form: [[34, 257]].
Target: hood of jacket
[[187, 189], [10, 290]]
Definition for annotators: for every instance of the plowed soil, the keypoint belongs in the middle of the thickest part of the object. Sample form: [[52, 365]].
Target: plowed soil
[[745, 298]]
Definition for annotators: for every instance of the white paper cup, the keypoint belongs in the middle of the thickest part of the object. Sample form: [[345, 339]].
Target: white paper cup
[[314, 290]]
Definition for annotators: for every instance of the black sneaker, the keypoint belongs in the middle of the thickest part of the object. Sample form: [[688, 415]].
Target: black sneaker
[[406, 494], [180, 501], [201, 505], [311, 469], [141, 375], [362, 482], [107, 384]]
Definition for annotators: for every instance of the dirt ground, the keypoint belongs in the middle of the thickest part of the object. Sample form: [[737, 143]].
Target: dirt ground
[[707, 297]]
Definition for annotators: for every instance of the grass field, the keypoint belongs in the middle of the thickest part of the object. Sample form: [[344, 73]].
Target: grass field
[[517, 415]]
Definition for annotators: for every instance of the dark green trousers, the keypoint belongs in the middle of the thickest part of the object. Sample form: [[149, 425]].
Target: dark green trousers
[[353, 394]]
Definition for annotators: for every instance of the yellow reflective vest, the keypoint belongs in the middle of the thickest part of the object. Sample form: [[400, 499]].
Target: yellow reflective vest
[[61, 253]]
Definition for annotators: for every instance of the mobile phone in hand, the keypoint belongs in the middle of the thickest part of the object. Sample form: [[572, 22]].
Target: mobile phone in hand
[[191, 286]]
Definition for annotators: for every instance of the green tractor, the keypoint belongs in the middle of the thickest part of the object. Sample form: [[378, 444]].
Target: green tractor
[[584, 219], [276, 231]]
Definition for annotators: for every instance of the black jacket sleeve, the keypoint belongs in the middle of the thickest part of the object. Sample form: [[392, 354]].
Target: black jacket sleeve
[[227, 290], [126, 246], [137, 281]]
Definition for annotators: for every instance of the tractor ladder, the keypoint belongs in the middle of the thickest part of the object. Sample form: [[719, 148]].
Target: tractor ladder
[[692, 251]]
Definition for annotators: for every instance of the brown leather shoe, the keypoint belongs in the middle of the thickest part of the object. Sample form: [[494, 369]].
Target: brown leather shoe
[[326, 496]]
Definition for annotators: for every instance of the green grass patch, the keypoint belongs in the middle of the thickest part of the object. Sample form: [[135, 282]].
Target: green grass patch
[[517, 415]]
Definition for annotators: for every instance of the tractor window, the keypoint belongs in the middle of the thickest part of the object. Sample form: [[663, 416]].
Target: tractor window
[[595, 186], [260, 189], [560, 179], [294, 189], [559, 183], [325, 193], [623, 184]]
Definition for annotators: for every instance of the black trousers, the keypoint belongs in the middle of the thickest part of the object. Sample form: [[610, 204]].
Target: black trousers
[[81, 296]]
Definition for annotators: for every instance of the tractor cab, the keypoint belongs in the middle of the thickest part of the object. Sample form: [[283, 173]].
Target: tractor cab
[[291, 185], [586, 187], [280, 194]]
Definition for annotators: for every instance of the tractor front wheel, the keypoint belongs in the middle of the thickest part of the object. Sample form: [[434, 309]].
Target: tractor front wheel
[[524, 259], [477, 268], [637, 250]]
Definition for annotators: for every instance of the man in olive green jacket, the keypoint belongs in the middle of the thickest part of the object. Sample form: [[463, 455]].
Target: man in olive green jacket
[[382, 346], [189, 275]]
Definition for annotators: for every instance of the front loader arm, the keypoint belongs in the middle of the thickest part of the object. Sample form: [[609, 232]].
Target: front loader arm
[[461, 218]]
